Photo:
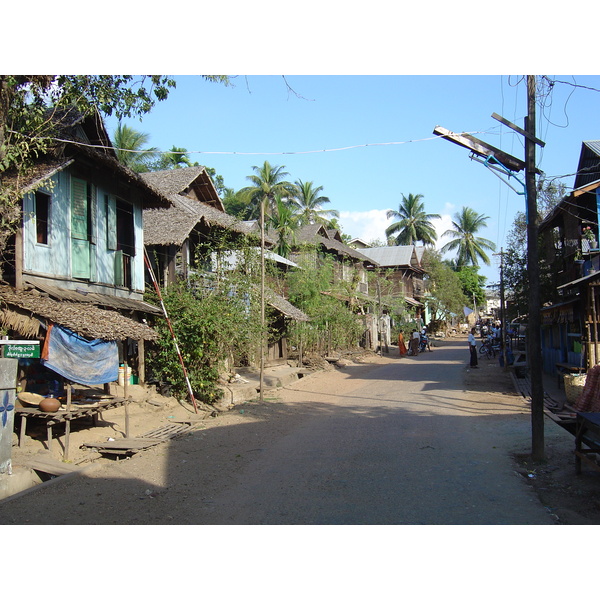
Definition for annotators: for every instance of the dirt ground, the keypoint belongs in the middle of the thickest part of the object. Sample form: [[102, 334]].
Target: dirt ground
[[572, 499]]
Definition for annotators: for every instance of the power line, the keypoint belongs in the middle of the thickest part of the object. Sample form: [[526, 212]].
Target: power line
[[237, 153]]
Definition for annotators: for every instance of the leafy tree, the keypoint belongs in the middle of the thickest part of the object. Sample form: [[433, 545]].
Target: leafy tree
[[284, 220], [131, 148], [267, 181], [414, 224], [445, 289], [473, 284], [175, 158], [308, 202], [236, 203], [470, 248], [332, 321]]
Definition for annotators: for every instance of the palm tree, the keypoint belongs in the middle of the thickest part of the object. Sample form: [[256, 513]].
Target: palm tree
[[284, 220], [175, 158], [413, 223], [308, 203], [470, 248], [267, 181], [130, 146]]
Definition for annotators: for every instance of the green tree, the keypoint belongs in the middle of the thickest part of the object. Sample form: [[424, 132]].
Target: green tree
[[308, 202], [445, 294], [131, 148], [236, 203], [470, 248], [284, 220], [473, 284], [175, 158], [413, 224], [267, 181]]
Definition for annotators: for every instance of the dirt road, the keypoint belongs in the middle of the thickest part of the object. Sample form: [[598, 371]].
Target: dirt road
[[396, 441]]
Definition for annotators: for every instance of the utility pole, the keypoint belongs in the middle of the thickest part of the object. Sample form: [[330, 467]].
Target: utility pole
[[534, 355]]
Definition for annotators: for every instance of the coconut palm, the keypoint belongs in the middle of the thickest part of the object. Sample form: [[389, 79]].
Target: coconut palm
[[284, 220], [414, 224], [131, 148], [267, 181], [308, 203], [470, 248]]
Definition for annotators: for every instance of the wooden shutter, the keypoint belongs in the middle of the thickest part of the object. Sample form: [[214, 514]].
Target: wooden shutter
[[111, 222], [79, 209]]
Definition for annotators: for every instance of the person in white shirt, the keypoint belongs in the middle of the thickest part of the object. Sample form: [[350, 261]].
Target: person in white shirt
[[473, 348]]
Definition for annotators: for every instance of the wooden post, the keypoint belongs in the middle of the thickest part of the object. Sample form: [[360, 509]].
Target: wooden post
[[125, 390], [593, 356], [142, 363], [67, 422], [262, 297], [534, 357]]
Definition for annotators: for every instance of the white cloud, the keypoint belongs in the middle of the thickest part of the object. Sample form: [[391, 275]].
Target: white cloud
[[370, 225], [367, 225]]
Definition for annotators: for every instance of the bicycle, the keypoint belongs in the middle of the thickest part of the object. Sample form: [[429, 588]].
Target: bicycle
[[489, 349]]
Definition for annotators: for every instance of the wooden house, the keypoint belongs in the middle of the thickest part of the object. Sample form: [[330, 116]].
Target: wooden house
[[401, 266], [76, 259], [181, 240], [570, 323]]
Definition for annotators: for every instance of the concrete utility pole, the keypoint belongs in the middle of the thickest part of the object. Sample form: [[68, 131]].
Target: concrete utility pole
[[534, 355]]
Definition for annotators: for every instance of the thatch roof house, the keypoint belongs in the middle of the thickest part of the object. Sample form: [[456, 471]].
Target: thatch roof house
[[174, 232]]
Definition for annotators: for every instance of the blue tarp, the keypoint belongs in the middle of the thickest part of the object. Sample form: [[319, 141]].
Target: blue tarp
[[90, 362]]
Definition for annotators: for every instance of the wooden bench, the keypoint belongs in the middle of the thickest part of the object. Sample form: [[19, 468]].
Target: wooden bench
[[562, 414], [587, 433]]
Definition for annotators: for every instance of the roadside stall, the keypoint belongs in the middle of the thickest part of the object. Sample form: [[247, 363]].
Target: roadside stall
[[72, 352]]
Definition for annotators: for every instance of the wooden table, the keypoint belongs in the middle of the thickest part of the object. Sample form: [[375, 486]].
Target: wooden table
[[77, 411], [566, 368], [587, 432]]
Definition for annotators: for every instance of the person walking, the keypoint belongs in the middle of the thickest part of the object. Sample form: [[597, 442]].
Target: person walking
[[415, 338], [473, 348], [401, 344]]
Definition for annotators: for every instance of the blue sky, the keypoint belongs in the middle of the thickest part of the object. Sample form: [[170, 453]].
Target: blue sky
[[369, 139]]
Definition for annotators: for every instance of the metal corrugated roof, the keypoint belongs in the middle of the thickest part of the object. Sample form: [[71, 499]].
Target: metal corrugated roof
[[390, 256]]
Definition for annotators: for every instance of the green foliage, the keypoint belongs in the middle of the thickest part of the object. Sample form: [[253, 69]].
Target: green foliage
[[215, 317], [284, 221], [473, 284], [413, 224], [470, 248], [131, 148], [445, 288], [308, 202], [333, 324]]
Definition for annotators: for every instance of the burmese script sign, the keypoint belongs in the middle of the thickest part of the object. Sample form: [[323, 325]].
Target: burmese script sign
[[20, 349]]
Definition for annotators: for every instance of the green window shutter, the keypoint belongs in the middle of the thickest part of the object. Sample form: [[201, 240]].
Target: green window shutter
[[79, 206], [111, 222], [119, 277]]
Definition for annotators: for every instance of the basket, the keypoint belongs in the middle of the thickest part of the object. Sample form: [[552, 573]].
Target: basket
[[574, 385]]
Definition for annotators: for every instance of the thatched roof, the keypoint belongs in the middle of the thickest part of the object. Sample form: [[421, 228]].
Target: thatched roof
[[83, 139], [183, 182], [283, 306], [166, 226], [22, 310], [316, 234]]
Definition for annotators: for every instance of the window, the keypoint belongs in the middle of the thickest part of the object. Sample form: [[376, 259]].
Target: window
[[42, 213]]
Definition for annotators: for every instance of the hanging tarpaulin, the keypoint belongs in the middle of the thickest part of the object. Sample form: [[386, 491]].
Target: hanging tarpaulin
[[467, 311], [90, 362]]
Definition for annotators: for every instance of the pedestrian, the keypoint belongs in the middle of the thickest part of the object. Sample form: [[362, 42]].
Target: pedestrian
[[414, 342], [401, 344], [473, 348]]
